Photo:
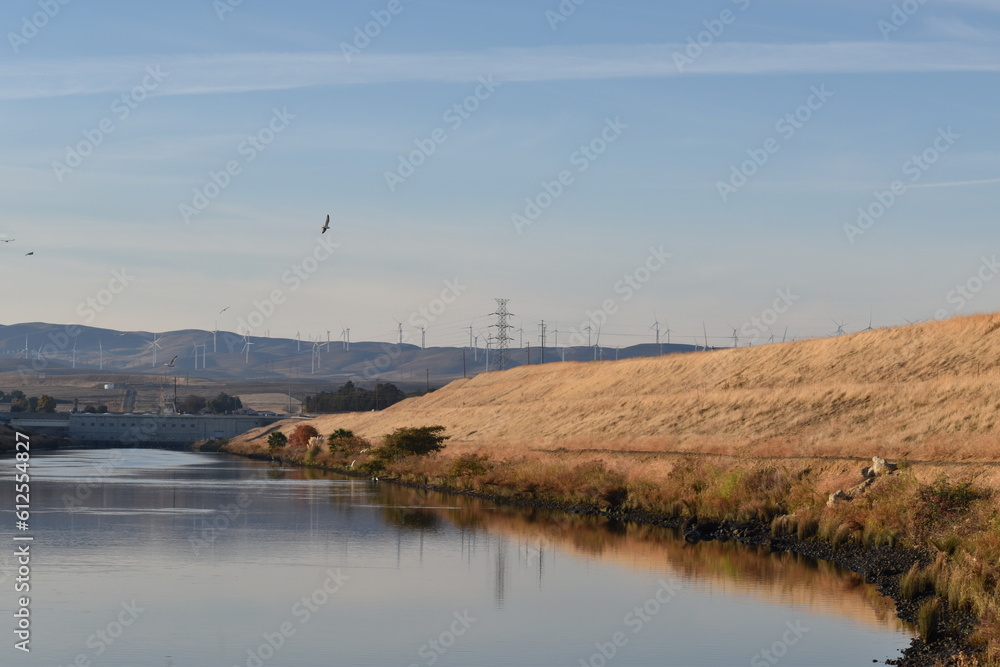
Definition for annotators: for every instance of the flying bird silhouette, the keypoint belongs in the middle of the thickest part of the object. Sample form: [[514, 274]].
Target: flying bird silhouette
[[171, 364], [326, 226], [224, 309], [29, 253], [7, 240]]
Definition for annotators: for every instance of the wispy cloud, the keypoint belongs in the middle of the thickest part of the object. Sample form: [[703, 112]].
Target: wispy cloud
[[954, 184], [244, 72], [988, 5]]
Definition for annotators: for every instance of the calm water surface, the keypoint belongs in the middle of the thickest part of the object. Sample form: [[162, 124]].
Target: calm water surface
[[147, 557]]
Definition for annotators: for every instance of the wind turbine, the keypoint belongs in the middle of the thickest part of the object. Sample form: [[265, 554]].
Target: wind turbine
[[327, 340], [25, 347], [154, 345], [100, 346], [74, 353], [316, 357], [704, 330], [423, 338], [736, 337], [656, 326], [784, 336], [870, 317], [840, 328], [400, 328], [298, 341], [246, 346]]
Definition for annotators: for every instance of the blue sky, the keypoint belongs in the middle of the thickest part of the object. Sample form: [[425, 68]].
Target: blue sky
[[739, 137]]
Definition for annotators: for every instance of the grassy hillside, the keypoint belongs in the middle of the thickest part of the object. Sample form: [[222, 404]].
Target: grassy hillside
[[927, 392]]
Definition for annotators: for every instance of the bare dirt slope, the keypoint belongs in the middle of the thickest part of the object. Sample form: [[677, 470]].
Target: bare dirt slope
[[927, 392]]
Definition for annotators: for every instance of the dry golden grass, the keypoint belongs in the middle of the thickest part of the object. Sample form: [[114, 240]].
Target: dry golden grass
[[925, 392]]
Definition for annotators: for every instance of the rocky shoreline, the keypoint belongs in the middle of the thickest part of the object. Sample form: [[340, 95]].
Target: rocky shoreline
[[880, 566]]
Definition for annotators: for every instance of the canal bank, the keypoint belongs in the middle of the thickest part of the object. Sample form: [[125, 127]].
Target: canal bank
[[756, 502]]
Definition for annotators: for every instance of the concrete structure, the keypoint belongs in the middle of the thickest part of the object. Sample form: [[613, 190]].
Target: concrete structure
[[148, 429], [160, 429]]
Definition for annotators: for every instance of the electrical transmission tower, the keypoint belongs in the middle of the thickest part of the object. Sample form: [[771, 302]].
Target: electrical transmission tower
[[500, 356]]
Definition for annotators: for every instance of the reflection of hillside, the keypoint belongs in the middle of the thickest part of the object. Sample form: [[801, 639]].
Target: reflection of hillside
[[732, 568]]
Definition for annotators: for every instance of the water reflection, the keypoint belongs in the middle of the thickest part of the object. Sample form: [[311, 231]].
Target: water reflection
[[728, 567], [219, 550]]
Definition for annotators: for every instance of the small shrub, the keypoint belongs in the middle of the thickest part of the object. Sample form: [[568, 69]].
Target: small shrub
[[414, 441], [471, 465], [916, 582], [927, 619], [808, 526], [275, 442], [301, 435], [314, 447]]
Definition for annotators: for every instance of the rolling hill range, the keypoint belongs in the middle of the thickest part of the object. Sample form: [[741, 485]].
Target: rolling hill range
[[927, 392], [48, 349]]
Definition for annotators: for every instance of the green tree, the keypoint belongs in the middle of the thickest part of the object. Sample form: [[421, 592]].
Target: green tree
[[418, 440], [352, 398], [89, 409], [19, 405], [33, 404], [192, 405], [276, 441], [102, 409], [16, 394], [46, 404], [224, 404]]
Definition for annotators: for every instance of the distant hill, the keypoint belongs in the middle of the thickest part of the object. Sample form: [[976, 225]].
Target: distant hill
[[929, 391], [35, 349]]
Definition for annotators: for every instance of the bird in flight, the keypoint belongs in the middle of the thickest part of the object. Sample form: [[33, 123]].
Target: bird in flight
[[171, 364], [29, 253], [8, 240], [326, 226], [224, 309]]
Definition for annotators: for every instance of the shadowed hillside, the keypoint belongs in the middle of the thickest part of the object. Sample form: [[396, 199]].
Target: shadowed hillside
[[928, 391]]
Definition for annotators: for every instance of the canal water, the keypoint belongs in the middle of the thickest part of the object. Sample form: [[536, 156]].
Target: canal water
[[164, 558]]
